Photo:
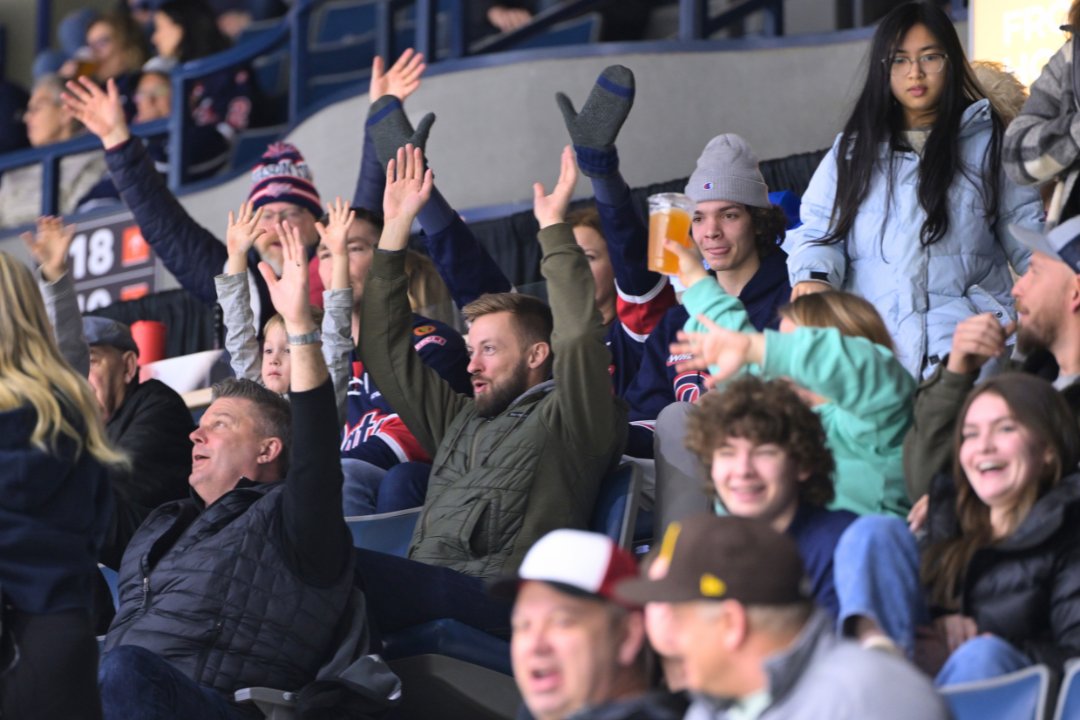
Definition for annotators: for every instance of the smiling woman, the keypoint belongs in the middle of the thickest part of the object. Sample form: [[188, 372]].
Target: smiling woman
[[1004, 533]]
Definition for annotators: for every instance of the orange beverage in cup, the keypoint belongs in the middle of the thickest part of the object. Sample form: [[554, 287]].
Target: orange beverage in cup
[[669, 218]]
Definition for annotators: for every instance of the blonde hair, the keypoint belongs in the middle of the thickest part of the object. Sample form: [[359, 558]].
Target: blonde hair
[[276, 321], [33, 372], [428, 294], [850, 314], [1004, 90]]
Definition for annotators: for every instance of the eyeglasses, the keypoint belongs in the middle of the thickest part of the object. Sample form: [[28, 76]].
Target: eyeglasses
[[291, 216], [931, 63], [160, 92]]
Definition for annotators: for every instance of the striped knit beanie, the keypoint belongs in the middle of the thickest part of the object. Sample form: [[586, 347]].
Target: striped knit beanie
[[282, 175]]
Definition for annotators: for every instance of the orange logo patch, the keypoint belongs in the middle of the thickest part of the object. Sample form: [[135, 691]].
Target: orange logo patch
[[423, 330]]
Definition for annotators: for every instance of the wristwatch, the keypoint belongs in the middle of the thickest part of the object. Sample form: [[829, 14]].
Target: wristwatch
[[305, 339]]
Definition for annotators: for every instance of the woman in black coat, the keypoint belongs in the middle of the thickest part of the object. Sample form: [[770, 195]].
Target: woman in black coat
[[54, 510], [1002, 561]]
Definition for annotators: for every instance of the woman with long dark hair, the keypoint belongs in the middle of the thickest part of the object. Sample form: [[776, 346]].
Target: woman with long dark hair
[[911, 209], [54, 512], [1002, 556], [999, 567]]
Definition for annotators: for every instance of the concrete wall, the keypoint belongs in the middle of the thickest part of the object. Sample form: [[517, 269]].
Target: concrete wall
[[499, 129]]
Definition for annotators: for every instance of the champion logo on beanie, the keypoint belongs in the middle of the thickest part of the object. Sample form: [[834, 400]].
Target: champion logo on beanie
[[282, 175], [728, 170]]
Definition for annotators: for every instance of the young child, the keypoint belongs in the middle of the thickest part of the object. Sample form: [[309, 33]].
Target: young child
[[270, 364]]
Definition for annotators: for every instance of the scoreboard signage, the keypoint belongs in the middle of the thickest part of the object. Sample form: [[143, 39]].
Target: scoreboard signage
[[109, 261]]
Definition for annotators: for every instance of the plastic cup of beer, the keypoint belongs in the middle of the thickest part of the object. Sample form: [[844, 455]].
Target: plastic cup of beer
[[669, 219]]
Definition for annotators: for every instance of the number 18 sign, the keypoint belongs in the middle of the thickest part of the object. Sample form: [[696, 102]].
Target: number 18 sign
[[110, 261]]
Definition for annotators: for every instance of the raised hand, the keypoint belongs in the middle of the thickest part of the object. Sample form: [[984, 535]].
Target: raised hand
[[691, 269], [289, 293], [336, 230], [408, 185], [727, 350], [976, 340], [241, 235], [507, 19], [100, 111], [49, 246], [401, 80], [551, 209], [603, 114]]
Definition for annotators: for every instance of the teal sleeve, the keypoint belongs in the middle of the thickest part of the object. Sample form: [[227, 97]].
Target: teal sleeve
[[859, 376], [707, 298]]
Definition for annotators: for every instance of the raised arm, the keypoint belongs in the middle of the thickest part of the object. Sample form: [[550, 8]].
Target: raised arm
[[401, 80], [591, 418], [642, 295], [241, 335], [189, 251], [424, 400], [928, 447], [337, 301], [465, 266], [49, 248], [316, 537]]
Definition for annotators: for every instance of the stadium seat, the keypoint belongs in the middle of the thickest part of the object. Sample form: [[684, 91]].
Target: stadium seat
[[1017, 696], [111, 578], [1068, 705], [616, 507], [388, 533], [579, 31]]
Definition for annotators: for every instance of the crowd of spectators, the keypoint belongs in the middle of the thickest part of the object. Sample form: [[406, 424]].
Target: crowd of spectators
[[858, 425]]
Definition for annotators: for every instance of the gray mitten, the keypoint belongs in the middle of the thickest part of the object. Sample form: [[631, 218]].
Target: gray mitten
[[390, 128], [594, 130]]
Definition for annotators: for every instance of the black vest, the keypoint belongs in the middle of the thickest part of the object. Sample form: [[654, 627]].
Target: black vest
[[212, 593]]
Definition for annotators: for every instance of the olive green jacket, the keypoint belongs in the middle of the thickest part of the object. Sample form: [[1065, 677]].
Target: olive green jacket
[[498, 484]]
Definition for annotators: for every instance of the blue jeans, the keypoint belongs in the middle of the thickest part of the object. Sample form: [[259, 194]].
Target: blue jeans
[[137, 684], [402, 593], [876, 572], [360, 491], [981, 658], [403, 486]]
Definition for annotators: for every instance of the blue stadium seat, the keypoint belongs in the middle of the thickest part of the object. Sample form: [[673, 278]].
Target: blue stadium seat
[[252, 143], [1068, 706], [111, 578], [617, 505], [388, 533], [1017, 696]]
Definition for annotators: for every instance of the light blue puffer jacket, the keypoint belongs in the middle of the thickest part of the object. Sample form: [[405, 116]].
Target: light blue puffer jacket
[[922, 293]]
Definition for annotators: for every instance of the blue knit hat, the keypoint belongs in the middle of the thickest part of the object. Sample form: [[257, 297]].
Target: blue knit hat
[[282, 175]]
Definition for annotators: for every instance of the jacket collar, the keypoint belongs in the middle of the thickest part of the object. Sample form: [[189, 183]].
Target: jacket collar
[[784, 669], [1046, 517], [772, 273]]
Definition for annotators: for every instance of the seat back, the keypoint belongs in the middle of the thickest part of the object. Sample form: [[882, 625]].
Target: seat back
[[1068, 705], [616, 506], [1018, 696], [389, 533]]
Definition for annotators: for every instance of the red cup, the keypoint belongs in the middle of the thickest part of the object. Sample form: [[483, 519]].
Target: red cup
[[149, 335]]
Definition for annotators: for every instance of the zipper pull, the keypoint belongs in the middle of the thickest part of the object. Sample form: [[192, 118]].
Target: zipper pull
[[145, 586]]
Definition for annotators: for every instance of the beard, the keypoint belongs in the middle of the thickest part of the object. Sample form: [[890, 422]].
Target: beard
[[1030, 340], [500, 394]]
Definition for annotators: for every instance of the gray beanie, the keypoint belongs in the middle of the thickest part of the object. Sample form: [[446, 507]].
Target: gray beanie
[[728, 170]]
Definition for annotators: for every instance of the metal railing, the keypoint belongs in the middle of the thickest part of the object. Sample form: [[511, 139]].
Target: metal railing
[[292, 35]]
